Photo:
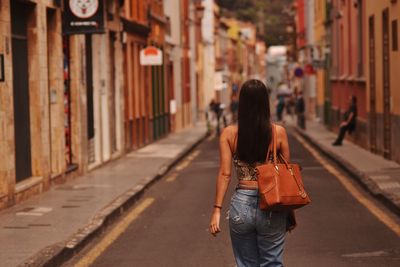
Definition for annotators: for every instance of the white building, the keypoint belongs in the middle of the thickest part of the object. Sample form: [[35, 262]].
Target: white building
[[207, 27]]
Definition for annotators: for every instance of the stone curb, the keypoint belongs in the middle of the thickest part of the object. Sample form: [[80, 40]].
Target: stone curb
[[59, 253], [361, 177]]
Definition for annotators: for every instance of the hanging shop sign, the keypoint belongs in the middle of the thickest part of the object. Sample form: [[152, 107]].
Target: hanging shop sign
[[83, 16], [151, 56]]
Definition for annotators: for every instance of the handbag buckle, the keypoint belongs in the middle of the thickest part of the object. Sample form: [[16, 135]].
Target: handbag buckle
[[277, 169]]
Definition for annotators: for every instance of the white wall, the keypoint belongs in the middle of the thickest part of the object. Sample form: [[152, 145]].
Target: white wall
[[207, 27], [172, 9], [192, 43]]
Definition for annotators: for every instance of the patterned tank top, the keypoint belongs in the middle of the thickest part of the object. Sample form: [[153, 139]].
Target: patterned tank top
[[245, 171]]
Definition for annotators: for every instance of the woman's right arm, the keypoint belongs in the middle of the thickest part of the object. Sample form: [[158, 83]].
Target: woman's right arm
[[223, 179]]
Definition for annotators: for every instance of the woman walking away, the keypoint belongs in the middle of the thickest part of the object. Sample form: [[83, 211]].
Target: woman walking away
[[257, 235]]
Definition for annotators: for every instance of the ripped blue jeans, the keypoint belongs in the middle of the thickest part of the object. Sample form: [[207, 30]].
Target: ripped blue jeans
[[257, 236]]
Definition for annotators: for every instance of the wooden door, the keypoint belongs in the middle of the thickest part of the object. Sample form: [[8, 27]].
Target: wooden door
[[372, 85], [112, 95], [386, 85], [89, 98], [23, 161]]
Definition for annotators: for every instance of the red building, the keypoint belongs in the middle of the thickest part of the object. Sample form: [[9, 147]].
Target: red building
[[348, 63], [300, 24]]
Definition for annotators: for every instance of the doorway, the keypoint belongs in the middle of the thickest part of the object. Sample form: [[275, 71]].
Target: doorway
[[19, 34], [372, 85], [89, 98], [386, 85], [112, 96]]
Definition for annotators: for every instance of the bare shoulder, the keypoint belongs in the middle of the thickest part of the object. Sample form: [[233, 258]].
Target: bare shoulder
[[229, 133], [281, 131]]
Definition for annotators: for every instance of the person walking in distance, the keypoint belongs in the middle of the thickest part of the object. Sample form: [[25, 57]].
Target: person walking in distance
[[234, 107], [300, 110], [280, 107], [257, 235], [349, 122]]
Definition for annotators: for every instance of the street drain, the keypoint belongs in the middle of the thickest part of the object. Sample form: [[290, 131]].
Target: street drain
[[312, 168], [39, 224], [75, 187], [15, 227], [77, 200], [26, 209], [69, 206]]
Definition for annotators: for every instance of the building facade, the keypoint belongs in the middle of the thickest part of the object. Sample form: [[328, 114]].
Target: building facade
[[137, 78], [320, 59], [62, 93], [31, 94], [348, 64], [382, 66]]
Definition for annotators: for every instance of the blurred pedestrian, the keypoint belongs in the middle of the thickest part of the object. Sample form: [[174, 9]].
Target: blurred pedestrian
[[280, 106], [218, 111], [234, 107], [257, 235], [300, 111], [349, 121], [290, 105]]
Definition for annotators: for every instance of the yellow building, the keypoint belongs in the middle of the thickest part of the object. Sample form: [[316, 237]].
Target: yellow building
[[383, 81], [318, 55]]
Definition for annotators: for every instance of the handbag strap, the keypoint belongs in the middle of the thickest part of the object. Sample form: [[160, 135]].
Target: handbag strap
[[272, 146]]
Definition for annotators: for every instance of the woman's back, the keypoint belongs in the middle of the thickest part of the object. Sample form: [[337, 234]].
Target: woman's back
[[247, 171]]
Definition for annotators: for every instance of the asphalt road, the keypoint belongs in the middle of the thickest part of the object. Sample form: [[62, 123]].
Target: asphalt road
[[171, 229]]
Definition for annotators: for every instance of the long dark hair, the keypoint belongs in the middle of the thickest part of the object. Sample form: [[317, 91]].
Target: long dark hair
[[254, 124]]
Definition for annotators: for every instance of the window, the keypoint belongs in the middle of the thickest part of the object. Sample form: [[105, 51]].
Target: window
[[395, 38], [360, 28]]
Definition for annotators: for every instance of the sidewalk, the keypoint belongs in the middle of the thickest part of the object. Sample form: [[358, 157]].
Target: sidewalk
[[379, 176], [50, 227]]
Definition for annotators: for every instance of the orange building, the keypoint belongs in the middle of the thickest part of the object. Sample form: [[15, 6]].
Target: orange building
[[137, 96], [160, 97], [382, 66]]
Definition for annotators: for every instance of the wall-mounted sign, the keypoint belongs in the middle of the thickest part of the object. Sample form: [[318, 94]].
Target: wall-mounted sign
[[172, 106], [83, 16], [2, 78], [309, 69], [298, 72], [219, 83], [150, 56]]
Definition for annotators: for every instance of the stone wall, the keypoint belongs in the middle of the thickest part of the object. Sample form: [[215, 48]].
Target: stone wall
[[45, 101], [7, 154]]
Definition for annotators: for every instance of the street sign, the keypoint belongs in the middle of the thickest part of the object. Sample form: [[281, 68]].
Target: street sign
[[172, 106], [83, 17], [298, 72], [151, 56]]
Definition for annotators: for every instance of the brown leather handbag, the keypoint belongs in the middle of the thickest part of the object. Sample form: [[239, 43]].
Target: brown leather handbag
[[280, 183]]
